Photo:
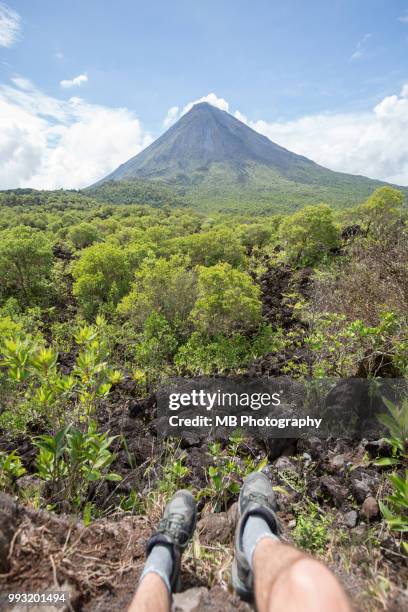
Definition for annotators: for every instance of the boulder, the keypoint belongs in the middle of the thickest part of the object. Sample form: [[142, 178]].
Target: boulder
[[337, 492], [215, 527], [350, 519], [370, 509]]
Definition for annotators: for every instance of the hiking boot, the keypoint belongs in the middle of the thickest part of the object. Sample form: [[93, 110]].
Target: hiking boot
[[175, 529], [256, 498]]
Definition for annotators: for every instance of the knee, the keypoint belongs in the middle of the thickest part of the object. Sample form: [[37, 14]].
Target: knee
[[306, 575]]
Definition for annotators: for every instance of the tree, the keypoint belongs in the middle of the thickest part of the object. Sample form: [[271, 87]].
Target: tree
[[25, 265], [164, 286], [157, 343], [309, 234], [83, 235], [228, 301], [102, 277], [382, 207], [209, 248]]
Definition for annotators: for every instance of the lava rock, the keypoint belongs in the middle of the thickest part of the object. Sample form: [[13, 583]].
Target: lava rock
[[285, 464], [232, 515], [336, 464], [370, 509], [189, 439], [350, 519], [337, 492], [215, 527], [363, 485], [142, 407]]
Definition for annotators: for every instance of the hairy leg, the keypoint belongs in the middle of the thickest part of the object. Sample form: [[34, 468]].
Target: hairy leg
[[151, 596], [287, 580]]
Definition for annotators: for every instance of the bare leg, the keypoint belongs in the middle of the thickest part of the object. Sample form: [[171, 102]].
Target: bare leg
[[287, 580], [151, 596]]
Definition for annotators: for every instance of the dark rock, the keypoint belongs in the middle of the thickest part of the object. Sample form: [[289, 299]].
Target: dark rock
[[337, 492], [215, 527], [61, 251], [284, 463], [219, 600], [363, 485], [350, 518], [139, 448], [142, 407], [8, 525], [189, 439], [378, 448], [278, 446], [312, 446], [370, 509], [336, 464]]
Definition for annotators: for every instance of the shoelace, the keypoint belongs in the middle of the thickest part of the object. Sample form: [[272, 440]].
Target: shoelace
[[259, 497], [173, 525]]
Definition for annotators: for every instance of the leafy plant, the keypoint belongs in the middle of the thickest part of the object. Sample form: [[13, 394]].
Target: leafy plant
[[11, 468], [43, 392], [225, 476], [228, 301], [72, 461], [395, 511], [312, 529], [397, 424], [174, 472]]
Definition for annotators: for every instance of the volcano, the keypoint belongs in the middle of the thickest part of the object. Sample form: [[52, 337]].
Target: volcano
[[216, 161]]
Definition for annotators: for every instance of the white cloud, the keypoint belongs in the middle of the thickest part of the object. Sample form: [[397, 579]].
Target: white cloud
[[360, 50], [174, 113], [59, 55], [240, 117], [171, 117], [10, 25], [49, 143], [404, 17], [75, 82], [372, 143], [22, 83]]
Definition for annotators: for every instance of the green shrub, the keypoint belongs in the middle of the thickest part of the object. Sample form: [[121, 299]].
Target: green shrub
[[307, 236], [164, 286], [83, 235], [25, 265], [395, 511], [43, 392], [157, 343], [102, 277], [73, 461], [382, 208], [312, 529], [228, 301], [210, 248]]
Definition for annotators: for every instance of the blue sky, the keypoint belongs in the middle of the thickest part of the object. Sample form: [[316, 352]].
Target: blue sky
[[276, 63]]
